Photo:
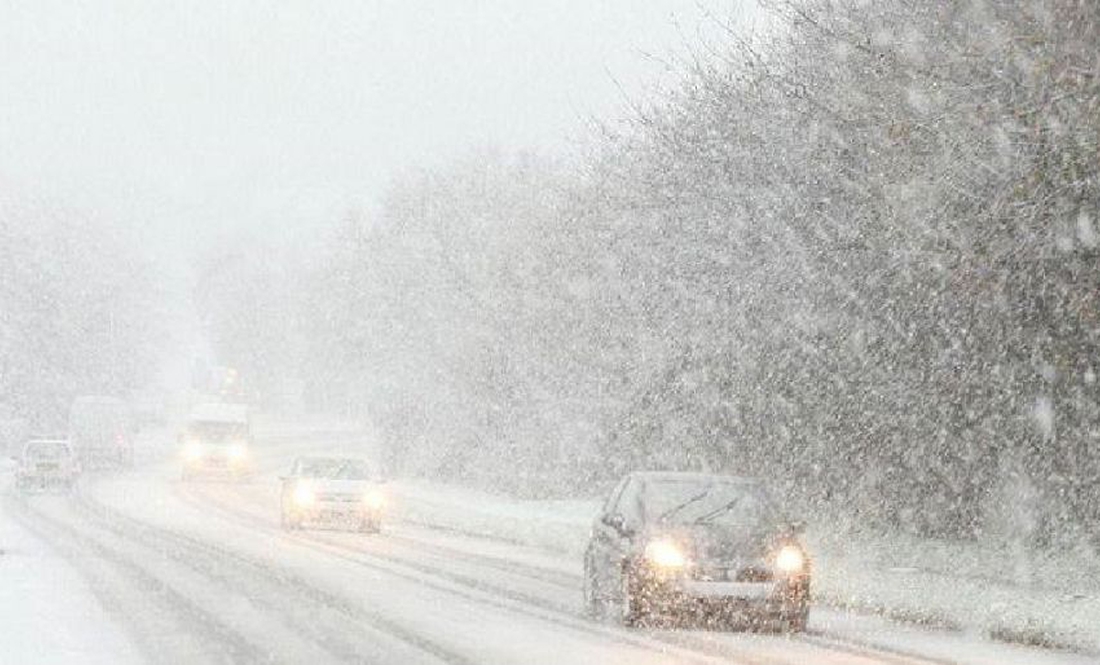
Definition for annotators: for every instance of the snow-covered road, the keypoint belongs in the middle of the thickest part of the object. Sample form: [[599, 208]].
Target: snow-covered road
[[201, 572]]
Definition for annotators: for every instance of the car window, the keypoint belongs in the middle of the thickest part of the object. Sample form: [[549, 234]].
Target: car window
[[47, 450], [613, 496], [627, 504], [335, 468], [695, 501]]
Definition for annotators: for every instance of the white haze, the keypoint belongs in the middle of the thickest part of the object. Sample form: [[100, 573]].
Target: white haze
[[204, 116]]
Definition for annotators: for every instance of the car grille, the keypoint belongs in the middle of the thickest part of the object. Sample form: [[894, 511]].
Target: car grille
[[732, 573], [337, 497]]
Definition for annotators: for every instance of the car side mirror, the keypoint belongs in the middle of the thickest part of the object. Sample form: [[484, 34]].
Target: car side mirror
[[616, 522]]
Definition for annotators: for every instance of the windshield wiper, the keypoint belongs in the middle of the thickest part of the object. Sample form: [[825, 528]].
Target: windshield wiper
[[675, 509], [726, 507]]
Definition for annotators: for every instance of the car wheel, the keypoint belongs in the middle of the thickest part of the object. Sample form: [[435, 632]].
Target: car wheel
[[795, 622], [791, 621], [630, 611], [594, 605], [289, 521]]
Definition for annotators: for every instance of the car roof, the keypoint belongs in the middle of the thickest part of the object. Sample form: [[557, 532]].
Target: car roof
[[32, 442], [98, 400], [218, 412], [695, 476], [329, 458]]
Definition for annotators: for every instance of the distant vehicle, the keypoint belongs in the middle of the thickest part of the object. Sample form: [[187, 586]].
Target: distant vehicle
[[217, 441], [332, 490], [691, 546], [101, 431], [47, 464], [149, 410]]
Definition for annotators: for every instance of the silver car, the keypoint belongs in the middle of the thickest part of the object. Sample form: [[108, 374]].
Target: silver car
[[47, 464], [342, 491]]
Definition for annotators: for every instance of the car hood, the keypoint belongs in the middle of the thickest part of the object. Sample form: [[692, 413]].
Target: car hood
[[721, 542], [337, 486]]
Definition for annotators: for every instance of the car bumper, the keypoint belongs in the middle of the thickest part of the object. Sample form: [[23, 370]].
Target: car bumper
[[336, 511], [217, 466], [46, 478], [696, 598]]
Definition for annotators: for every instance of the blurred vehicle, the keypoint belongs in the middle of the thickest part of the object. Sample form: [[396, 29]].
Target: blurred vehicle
[[149, 410], [101, 431], [332, 490], [692, 546], [47, 464], [217, 441]]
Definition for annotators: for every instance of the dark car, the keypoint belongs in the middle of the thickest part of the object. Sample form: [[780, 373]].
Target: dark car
[[700, 547]]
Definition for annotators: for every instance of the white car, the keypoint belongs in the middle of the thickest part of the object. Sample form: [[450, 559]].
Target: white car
[[332, 490], [217, 441], [45, 464]]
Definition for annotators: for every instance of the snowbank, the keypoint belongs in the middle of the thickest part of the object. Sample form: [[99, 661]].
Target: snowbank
[[559, 526], [47, 610], [965, 585]]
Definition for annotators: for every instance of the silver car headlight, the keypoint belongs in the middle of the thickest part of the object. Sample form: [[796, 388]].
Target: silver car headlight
[[304, 496]]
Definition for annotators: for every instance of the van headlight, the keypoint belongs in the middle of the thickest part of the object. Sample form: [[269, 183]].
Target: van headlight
[[193, 451], [665, 554], [790, 560], [374, 499], [237, 452], [304, 495]]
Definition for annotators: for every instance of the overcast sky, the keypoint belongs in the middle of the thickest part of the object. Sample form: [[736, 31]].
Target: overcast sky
[[239, 114]]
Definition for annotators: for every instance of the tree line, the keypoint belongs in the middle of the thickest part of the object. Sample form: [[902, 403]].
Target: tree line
[[77, 314], [857, 254]]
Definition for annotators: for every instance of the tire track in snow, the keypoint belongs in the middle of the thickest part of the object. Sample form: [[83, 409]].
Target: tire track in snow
[[566, 615], [148, 600], [315, 623]]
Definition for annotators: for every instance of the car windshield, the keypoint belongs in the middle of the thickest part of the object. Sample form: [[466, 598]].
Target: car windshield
[[699, 501], [216, 432], [47, 450], [334, 469]]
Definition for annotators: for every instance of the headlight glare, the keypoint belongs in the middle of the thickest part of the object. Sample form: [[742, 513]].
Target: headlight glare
[[304, 495], [193, 451], [237, 452], [790, 560], [374, 499], [665, 554]]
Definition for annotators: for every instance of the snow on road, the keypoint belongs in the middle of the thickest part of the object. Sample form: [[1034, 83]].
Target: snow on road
[[49, 613], [201, 572]]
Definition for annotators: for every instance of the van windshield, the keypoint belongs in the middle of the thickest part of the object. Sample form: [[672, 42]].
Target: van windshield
[[48, 450], [216, 432]]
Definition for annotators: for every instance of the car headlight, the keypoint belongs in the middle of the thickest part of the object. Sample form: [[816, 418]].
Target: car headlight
[[665, 554], [374, 499], [304, 495], [237, 452], [193, 451], [790, 560]]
